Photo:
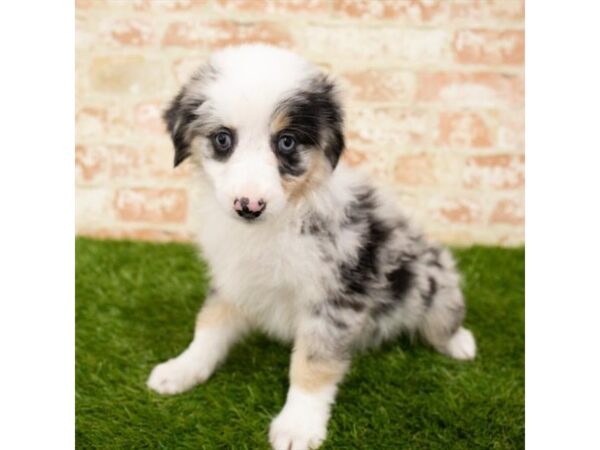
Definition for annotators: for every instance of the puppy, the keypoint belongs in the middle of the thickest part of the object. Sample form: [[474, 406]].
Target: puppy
[[298, 245]]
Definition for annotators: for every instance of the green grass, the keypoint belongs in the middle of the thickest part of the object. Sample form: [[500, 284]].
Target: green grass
[[136, 305]]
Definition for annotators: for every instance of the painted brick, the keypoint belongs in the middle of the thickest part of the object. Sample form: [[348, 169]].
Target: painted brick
[[148, 116], [457, 210], [145, 162], [168, 205], [463, 130], [92, 207], [509, 211], [86, 36], [128, 162], [91, 121], [374, 161], [126, 75], [416, 169], [354, 157], [380, 85], [141, 5], [388, 126], [515, 237], [434, 93], [132, 32], [89, 4], [511, 130], [184, 68], [450, 235], [162, 6], [111, 120], [489, 47], [425, 46], [472, 89], [411, 11], [182, 5], [91, 164], [313, 8], [495, 172], [487, 10], [224, 33], [376, 45]]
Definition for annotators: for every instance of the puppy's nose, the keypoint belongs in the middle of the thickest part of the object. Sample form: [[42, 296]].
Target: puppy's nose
[[249, 209]]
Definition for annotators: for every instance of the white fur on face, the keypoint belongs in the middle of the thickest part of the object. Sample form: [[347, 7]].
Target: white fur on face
[[250, 172], [250, 83]]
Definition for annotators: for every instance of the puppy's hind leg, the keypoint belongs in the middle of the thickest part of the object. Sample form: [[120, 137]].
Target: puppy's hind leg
[[218, 326], [442, 326]]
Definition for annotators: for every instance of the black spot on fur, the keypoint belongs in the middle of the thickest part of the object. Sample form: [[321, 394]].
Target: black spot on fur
[[312, 227], [315, 225], [339, 324], [346, 302], [320, 311], [356, 276], [430, 294], [400, 281]]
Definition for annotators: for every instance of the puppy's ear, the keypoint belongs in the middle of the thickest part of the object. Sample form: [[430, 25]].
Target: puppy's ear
[[179, 117], [182, 117], [326, 99]]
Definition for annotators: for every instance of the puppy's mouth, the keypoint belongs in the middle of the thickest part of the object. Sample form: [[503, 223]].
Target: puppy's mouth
[[250, 217]]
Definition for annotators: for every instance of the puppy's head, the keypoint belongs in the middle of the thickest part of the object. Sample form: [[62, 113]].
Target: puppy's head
[[264, 126]]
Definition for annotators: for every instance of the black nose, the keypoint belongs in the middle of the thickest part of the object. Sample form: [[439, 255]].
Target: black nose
[[249, 209]]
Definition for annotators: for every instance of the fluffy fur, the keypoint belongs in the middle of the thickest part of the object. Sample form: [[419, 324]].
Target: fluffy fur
[[299, 245]]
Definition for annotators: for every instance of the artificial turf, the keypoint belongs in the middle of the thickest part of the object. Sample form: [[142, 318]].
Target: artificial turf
[[135, 307]]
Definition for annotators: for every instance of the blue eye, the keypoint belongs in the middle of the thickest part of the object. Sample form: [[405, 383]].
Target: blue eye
[[286, 143], [222, 141]]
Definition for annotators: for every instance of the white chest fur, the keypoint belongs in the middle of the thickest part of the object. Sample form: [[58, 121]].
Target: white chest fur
[[270, 270]]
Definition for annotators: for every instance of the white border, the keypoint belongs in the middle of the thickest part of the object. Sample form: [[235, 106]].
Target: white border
[[37, 229], [563, 226]]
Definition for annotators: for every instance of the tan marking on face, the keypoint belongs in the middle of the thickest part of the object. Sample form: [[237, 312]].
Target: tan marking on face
[[315, 374], [217, 313], [318, 170], [279, 122]]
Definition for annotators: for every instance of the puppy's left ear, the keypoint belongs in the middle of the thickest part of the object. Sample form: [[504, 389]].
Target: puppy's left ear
[[326, 98], [178, 117]]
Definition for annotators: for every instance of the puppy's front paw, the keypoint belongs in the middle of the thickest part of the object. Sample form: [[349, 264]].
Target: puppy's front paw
[[176, 375], [298, 433], [302, 424]]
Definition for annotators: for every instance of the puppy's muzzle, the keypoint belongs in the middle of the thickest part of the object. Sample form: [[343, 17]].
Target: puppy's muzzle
[[249, 209]]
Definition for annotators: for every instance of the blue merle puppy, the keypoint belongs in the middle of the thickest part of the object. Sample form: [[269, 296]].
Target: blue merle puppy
[[299, 245]]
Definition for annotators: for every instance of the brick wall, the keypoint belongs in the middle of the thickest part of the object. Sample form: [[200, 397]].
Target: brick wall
[[435, 104]]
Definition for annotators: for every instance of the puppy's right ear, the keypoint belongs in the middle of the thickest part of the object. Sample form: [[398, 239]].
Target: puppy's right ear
[[179, 118], [183, 117]]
